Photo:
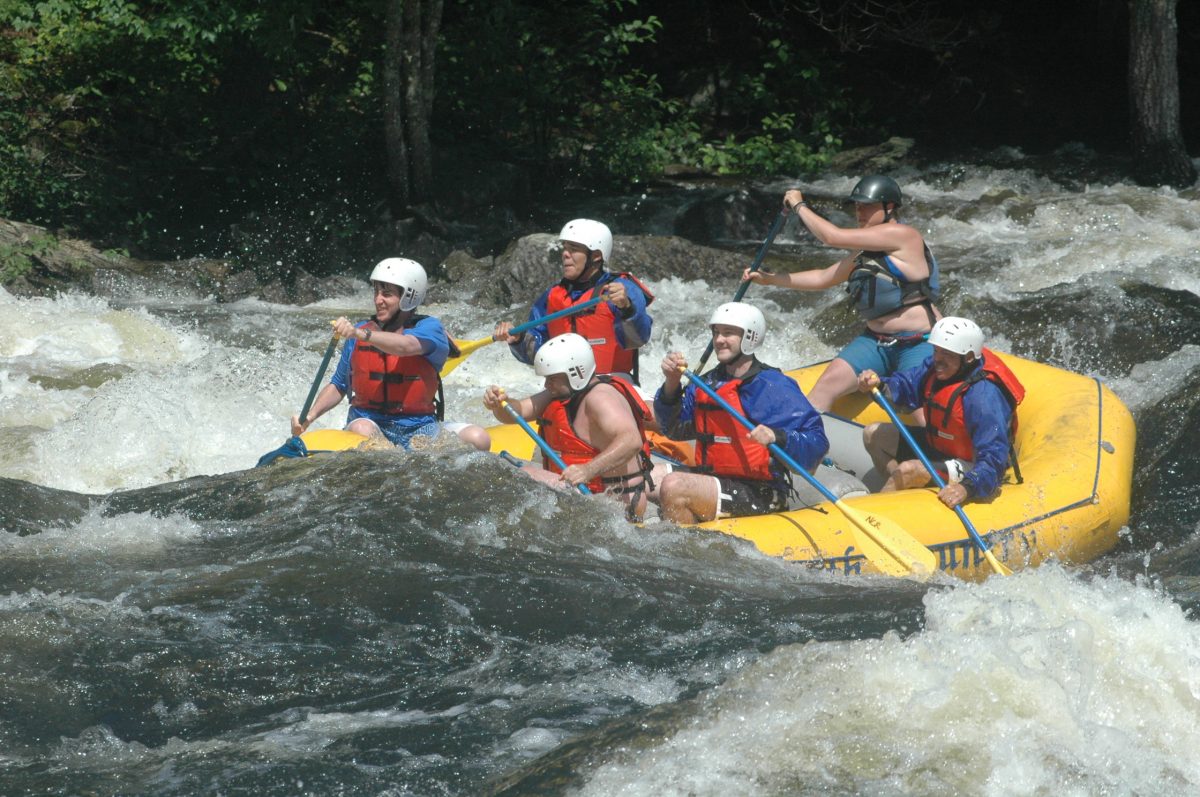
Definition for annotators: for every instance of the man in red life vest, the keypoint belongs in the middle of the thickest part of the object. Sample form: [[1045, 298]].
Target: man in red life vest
[[616, 328], [735, 474], [389, 366], [593, 421], [970, 399]]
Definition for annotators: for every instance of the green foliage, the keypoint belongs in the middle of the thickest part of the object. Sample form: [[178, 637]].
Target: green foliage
[[117, 115], [16, 260], [569, 88], [255, 130], [774, 151]]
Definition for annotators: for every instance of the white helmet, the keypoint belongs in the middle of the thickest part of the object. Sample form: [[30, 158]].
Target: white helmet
[[407, 275], [746, 317], [592, 234], [568, 354], [959, 335]]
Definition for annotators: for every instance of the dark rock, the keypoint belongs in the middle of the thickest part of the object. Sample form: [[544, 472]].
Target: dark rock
[[876, 159], [731, 215], [467, 273]]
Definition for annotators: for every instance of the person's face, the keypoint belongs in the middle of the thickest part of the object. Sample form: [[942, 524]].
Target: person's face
[[387, 301], [946, 363], [575, 260], [727, 343], [868, 214], [558, 386]]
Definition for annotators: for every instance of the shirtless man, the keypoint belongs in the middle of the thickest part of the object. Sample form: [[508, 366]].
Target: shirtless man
[[892, 279], [594, 422]]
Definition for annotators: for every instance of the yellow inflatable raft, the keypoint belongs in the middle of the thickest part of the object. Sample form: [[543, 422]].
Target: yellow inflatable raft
[[1075, 445]]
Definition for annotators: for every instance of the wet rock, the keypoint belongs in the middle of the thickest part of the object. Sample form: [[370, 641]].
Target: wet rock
[[878, 158], [730, 216], [37, 262]]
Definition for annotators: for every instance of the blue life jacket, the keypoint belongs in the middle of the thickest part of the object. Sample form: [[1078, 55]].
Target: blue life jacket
[[878, 287]]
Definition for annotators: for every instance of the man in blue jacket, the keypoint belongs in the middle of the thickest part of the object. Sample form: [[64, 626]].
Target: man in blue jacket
[[616, 327], [970, 399], [735, 474]]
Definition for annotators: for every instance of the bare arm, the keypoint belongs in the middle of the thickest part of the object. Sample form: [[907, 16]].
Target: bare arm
[[327, 399], [609, 417], [528, 408], [812, 280], [900, 241]]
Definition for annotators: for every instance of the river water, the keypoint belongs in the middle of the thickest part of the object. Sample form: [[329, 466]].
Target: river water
[[175, 622]]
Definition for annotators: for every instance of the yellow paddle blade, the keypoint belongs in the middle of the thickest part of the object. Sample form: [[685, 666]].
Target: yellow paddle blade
[[889, 547], [996, 564], [465, 349]]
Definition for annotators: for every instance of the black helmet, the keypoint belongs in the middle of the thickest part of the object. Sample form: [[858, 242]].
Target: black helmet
[[876, 188]]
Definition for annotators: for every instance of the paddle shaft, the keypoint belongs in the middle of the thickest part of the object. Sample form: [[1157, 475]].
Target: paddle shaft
[[937, 478], [468, 347], [312, 392], [572, 310], [542, 444], [758, 259]]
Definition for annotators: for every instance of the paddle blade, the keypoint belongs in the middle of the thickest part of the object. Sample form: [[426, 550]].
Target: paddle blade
[[889, 547], [465, 349], [996, 564]]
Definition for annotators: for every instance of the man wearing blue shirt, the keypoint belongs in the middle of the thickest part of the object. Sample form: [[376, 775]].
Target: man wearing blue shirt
[[969, 396], [391, 362], [735, 474]]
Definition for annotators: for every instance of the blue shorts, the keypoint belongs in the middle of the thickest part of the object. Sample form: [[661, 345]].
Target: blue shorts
[[867, 351], [402, 429]]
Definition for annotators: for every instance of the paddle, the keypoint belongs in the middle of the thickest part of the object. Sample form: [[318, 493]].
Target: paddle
[[542, 444], [996, 564], [886, 545], [467, 347], [312, 392], [758, 259], [294, 447]]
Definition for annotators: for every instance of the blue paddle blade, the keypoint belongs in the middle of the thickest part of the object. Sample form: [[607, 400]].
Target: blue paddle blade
[[293, 448]]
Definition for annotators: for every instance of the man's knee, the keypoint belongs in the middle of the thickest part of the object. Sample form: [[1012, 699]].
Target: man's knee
[[911, 473], [672, 488]]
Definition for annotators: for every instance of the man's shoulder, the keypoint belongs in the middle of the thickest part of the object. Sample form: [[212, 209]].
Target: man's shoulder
[[426, 325], [774, 377], [605, 393], [985, 393]]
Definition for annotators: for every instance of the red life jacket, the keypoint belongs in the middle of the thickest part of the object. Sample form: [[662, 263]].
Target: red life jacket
[[557, 431], [597, 324], [722, 447], [390, 383], [946, 426]]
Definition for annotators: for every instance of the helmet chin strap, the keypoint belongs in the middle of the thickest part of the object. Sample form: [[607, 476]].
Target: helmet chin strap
[[591, 272], [741, 355], [964, 365]]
